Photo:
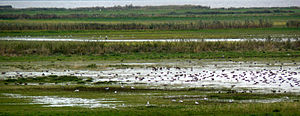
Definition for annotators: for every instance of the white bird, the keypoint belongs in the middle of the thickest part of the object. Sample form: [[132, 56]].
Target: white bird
[[180, 101], [196, 102], [148, 103], [116, 92], [107, 88], [76, 90], [173, 100], [205, 98], [286, 97], [132, 87]]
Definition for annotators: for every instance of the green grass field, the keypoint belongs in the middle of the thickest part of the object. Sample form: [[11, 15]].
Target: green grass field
[[150, 15], [135, 102], [152, 56], [152, 34]]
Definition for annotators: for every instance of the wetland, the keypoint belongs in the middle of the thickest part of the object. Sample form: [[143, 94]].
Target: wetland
[[150, 60]]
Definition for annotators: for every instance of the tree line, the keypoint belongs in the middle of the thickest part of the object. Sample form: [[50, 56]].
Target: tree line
[[236, 12], [113, 8]]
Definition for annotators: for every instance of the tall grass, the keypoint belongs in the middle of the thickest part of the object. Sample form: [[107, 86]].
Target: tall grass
[[137, 26], [19, 48], [293, 23]]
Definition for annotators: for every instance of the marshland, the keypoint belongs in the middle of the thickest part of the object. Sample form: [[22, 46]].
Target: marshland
[[150, 60]]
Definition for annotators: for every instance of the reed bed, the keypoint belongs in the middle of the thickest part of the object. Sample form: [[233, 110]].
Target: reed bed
[[293, 24], [138, 26]]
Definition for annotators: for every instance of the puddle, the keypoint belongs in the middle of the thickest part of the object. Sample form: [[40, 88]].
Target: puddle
[[55, 101], [138, 40], [280, 77], [205, 99], [184, 96], [271, 100]]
